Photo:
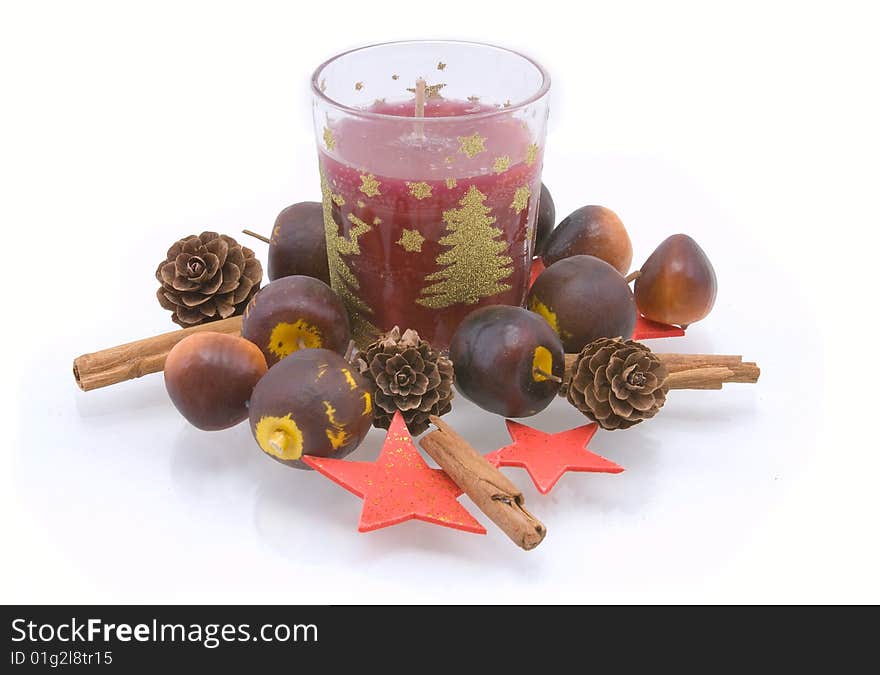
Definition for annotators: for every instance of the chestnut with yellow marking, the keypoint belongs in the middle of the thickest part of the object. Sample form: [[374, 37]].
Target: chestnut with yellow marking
[[280, 437], [540, 308], [368, 403], [542, 364], [352, 384], [337, 436], [287, 338]]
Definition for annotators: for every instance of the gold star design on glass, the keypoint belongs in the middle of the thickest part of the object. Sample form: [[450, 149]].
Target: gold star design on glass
[[431, 90], [369, 185], [502, 164], [441, 66], [358, 86], [531, 153], [451, 183], [419, 190], [521, 198], [473, 99], [339, 200], [411, 241], [329, 140], [377, 220], [360, 203], [472, 145]]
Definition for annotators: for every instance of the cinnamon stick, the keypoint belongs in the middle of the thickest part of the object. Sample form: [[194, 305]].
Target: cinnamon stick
[[128, 361], [700, 371], [490, 490]]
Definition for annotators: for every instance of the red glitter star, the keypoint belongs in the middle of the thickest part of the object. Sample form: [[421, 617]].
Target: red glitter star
[[399, 486], [547, 456], [647, 329]]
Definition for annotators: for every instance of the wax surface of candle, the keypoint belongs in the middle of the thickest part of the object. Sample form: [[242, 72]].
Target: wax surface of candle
[[426, 222]]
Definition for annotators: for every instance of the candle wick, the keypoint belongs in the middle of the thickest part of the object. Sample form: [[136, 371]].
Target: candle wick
[[420, 97], [421, 87]]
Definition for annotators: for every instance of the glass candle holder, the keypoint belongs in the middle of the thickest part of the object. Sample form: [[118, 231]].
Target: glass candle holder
[[430, 157]]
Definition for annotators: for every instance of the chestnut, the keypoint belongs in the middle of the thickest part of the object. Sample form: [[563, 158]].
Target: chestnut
[[298, 245], [312, 402], [210, 377], [677, 283], [545, 221], [584, 298], [591, 230], [295, 313], [507, 360]]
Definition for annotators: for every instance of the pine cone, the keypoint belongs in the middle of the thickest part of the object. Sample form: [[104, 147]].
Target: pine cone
[[617, 383], [207, 277], [407, 375]]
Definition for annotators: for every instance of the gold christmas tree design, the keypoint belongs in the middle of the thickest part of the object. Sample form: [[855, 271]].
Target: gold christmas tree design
[[343, 281], [475, 265]]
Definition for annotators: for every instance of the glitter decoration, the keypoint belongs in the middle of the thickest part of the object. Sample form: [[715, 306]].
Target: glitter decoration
[[420, 190], [441, 66], [475, 264], [323, 85], [395, 77], [449, 160], [399, 486], [506, 104], [472, 145], [342, 280], [339, 200], [431, 90], [360, 203], [358, 86], [547, 456], [329, 140], [411, 241], [378, 101], [531, 154], [502, 164], [369, 185], [521, 198], [451, 183], [377, 220], [473, 99]]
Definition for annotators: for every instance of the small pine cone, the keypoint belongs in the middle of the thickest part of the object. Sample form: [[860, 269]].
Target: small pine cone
[[206, 278], [407, 375], [617, 383]]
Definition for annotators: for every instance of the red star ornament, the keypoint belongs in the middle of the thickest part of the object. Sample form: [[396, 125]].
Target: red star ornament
[[399, 486], [547, 456], [646, 329]]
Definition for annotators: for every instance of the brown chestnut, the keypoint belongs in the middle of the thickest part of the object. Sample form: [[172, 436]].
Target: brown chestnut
[[591, 230], [295, 313], [507, 360], [298, 244], [677, 283], [312, 402], [584, 298], [210, 377]]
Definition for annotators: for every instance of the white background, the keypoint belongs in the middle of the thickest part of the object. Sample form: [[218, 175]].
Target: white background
[[752, 127]]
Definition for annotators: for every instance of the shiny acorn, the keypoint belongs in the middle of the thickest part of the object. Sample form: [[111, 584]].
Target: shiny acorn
[[210, 378], [583, 298], [507, 360], [294, 313], [312, 402]]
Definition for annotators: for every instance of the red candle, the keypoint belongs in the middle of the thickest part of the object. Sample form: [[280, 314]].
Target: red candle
[[428, 217]]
